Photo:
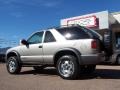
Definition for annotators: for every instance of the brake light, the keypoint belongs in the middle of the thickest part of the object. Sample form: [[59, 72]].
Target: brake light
[[94, 44]]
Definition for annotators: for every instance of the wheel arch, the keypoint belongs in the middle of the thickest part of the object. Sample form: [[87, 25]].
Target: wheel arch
[[67, 51], [13, 53]]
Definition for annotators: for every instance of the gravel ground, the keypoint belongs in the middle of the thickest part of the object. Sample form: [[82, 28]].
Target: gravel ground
[[104, 78]]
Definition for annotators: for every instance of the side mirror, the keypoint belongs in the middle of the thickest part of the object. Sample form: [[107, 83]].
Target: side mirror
[[23, 42]]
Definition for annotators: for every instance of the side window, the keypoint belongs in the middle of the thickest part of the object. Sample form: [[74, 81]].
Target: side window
[[36, 38], [49, 37], [72, 33]]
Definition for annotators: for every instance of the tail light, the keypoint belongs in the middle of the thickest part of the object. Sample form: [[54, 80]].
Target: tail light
[[94, 44]]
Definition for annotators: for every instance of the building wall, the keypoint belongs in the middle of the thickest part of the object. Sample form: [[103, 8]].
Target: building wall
[[102, 19], [116, 15]]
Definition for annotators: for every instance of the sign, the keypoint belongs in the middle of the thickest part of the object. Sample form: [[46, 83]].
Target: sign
[[90, 21]]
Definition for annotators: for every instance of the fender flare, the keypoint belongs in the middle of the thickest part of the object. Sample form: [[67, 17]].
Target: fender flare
[[16, 53], [75, 51]]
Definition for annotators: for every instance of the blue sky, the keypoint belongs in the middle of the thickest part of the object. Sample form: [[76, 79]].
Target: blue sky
[[20, 18]]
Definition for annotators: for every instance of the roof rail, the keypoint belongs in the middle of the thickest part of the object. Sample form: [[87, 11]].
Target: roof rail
[[69, 25]]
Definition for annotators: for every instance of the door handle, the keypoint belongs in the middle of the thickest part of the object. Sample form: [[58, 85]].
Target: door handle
[[40, 46]]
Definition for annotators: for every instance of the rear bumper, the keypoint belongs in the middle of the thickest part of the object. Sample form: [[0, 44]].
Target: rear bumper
[[92, 58]]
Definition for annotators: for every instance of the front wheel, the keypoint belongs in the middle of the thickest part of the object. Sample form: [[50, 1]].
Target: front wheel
[[13, 67], [67, 67]]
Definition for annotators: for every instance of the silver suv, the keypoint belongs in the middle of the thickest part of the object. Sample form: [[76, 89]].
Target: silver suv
[[71, 50]]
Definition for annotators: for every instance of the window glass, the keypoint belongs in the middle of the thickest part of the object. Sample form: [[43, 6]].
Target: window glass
[[36, 38], [71, 33], [93, 33], [49, 37]]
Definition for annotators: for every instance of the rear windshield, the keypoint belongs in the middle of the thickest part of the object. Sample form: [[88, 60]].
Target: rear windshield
[[72, 33], [93, 33]]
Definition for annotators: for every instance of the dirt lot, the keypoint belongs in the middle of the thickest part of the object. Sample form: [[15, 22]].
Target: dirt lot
[[104, 78]]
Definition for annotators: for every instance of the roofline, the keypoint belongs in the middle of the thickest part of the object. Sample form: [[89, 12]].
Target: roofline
[[114, 13]]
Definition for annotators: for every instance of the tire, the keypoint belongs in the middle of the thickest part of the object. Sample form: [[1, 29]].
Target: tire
[[13, 67], [87, 69], [38, 68], [67, 67], [118, 60]]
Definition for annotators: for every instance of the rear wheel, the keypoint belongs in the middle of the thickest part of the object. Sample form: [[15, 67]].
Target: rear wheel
[[67, 67], [13, 67]]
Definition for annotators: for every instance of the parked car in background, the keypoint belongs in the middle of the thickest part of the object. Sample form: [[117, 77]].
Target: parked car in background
[[111, 49], [2, 57], [2, 53]]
